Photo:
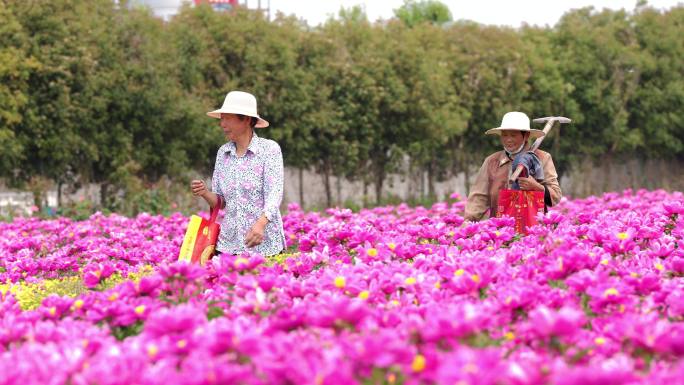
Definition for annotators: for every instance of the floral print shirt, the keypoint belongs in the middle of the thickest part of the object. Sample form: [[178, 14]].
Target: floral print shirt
[[251, 186]]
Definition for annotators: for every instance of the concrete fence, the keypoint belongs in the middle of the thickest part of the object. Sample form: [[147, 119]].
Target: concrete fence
[[588, 178]]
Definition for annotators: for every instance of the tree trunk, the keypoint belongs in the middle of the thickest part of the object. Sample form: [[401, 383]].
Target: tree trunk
[[365, 191], [59, 194], [338, 187], [379, 180], [466, 176], [104, 194], [38, 186], [464, 158], [409, 178], [326, 183], [378, 189], [38, 198], [301, 188], [431, 181], [556, 150]]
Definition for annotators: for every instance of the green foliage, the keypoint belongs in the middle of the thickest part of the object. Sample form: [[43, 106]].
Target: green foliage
[[140, 197], [123, 332], [78, 211], [416, 12], [385, 376], [393, 200], [480, 340], [214, 312], [560, 284]]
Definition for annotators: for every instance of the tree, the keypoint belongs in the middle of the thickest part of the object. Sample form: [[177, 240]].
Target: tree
[[433, 115], [599, 54], [338, 137], [489, 77], [95, 92], [15, 69], [48, 132], [658, 104], [549, 92], [372, 98]]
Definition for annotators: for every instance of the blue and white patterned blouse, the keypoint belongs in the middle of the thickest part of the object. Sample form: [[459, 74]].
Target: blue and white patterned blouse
[[251, 186]]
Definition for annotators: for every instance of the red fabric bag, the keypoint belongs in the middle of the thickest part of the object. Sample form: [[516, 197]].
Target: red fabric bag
[[200, 238], [521, 205]]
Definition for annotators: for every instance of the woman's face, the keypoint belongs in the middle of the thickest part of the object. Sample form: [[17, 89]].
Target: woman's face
[[512, 139], [233, 127]]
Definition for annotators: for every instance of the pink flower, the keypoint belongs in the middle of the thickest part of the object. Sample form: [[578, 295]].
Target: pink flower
[[181, 270], [148, 285], [180, 320], [675, 303], [565, 322], [610, 293], [595, 375], [471, 366], [93, 274]]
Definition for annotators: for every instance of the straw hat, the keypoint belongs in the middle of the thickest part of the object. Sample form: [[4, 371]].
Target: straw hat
[[239, 103], [517, 121]]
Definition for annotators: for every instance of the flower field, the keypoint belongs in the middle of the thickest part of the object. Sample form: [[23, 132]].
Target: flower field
[[392, 295]]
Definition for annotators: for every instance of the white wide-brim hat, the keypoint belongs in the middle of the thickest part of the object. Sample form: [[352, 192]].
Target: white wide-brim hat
[[239, 103], [517, 121]]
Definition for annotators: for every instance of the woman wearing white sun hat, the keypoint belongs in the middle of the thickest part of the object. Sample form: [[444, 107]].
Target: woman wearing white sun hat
[[247, 181], [493, 175]]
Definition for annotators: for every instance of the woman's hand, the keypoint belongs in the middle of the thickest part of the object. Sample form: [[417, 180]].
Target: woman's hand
[[255, 235], [530, 184], [199, 189]]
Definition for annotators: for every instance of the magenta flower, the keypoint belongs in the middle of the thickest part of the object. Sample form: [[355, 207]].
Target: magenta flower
[[93, 274], [464, 365], [595, 376], [368, 253], [181, 270], [149, 285], [611, 293], [182, 320], [337, 312], [674, 208], [675, 303], [565, 322], [394, 294], [55, 307]]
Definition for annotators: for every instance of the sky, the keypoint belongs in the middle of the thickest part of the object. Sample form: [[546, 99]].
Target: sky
[[499, 12]]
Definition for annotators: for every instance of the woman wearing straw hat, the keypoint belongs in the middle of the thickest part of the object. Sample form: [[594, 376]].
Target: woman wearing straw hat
[[247, 181], [493, 175]]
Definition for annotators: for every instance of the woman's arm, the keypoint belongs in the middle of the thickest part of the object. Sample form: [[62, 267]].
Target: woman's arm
[[478, 200], [212, 199], [215, 185], [255, 235], [553, 193], [273, 180], [274, 175], [200, 189]]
